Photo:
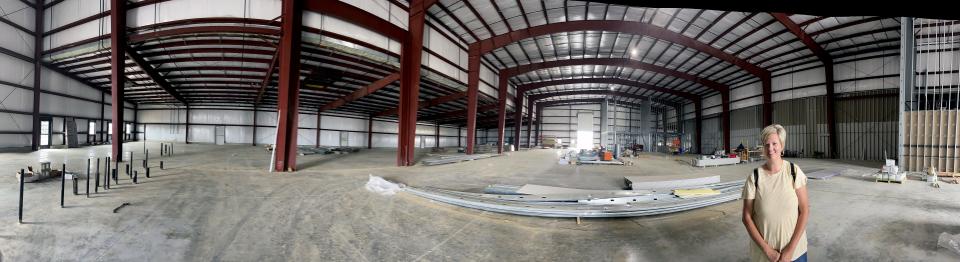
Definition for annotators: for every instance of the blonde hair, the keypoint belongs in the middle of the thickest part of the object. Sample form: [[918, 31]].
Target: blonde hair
[[770, 130]]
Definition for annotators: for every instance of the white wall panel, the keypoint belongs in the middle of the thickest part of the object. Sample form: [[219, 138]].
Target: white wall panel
[[16, 122], [70, 11], [229, 117], [56, 82], [16, 40], [17, 99], [16, 71], [58, 105], [489, 76], [746, 103], [817, 90], [801, 78], [165, 132], [19, 13], [77, 33], [238, 134], [335, 25], [13, 140], [754, 89], [201, 134]]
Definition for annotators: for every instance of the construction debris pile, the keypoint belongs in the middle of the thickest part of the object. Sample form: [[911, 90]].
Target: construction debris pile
[[44, 173], [450, 159], [641, 199], [323, 150]]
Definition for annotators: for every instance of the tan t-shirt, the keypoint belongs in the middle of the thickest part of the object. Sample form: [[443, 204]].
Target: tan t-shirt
[[776, 209]]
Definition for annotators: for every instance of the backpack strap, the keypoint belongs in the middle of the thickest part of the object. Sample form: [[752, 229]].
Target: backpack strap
[[756, 179], [793, 172]]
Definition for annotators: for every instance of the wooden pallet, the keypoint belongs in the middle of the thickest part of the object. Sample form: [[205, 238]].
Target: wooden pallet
[[948, 174]]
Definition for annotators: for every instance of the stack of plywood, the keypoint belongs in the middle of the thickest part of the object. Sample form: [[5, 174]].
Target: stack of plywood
[[930, 140]]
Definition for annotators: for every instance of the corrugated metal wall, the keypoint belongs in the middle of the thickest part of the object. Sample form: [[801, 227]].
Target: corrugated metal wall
[[745, 126], [689, 133], [867, 127], [712, 138], [805, 120]]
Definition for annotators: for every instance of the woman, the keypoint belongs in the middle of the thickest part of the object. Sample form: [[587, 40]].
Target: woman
[[775, 209]]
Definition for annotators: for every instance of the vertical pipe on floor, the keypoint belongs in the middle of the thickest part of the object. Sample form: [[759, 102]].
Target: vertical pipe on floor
[[63, 182], [20, 205], [96, 181], [88, 178]]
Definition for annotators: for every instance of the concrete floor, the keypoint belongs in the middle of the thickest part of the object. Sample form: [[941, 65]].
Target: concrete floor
[[218, 203]]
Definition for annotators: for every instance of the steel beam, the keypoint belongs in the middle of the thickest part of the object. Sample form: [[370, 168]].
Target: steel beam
[[118, 44], [473, 82], [517, 120], [600, 80], [253, 142], [459, 113], [153, 75], [827, 61], [288, 96], [501, 110], [529, 122], [357, 16], [362, 92], [410, 57], [37, 42], [907, 71], [369, 131], [186, 128], [426, 104], [267, 77]]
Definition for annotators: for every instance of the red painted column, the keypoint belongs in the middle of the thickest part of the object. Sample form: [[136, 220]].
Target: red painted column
[[698, 113], [767, 91], [517, 119], [473, 82], [501, 110], [831, 107], [529, 124], [725, 117], [288, 96], [536, 138], [118, 44], [410, 56], [369, 132]]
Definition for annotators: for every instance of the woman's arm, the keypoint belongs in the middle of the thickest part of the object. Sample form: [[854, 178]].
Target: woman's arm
[[754, 233], [801, 224]]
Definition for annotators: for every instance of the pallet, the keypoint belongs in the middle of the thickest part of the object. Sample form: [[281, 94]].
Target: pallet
[[948, 174], [887, 179]]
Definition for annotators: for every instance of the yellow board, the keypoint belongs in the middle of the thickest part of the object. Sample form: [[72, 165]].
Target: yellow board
[[695, 192]]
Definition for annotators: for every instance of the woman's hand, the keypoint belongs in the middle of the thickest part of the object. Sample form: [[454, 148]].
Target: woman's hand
[[786, 255], [772, 255]]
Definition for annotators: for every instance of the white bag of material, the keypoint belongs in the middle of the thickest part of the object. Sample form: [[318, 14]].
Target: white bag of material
[[951, 242], [381, 186]]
